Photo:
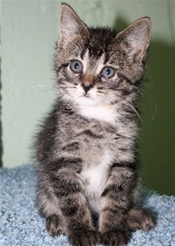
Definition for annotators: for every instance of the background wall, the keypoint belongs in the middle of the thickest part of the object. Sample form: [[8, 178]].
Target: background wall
[[29, 30]]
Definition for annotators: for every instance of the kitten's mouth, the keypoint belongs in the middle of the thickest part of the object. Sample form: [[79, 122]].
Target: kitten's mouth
[[85, 95]]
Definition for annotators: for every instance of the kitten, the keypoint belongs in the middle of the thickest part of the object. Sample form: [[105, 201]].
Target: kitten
[[88, 180]]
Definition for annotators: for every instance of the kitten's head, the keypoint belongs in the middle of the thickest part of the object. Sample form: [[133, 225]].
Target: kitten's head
[[98, 66]]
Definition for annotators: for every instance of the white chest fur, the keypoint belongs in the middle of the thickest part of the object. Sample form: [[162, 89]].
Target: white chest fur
[[104, 113], [95, 178]]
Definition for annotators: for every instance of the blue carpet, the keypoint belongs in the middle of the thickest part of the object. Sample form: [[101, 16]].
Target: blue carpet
[[20, 224]]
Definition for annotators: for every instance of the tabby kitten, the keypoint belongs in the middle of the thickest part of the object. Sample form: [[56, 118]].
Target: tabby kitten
[[88, 181]]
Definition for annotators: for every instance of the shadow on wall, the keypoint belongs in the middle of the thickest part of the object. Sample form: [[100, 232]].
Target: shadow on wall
[[157, 135]]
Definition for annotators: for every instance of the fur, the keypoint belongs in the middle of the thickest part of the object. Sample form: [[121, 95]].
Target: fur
[[85, 150]]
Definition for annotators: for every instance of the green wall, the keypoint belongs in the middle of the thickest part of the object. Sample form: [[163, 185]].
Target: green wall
[[29, 30]]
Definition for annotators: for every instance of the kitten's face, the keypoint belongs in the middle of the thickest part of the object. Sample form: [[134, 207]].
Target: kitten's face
[[97, 66], [89, 80]]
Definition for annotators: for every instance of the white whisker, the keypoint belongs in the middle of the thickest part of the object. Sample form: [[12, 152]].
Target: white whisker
[[139, 90], [35, 86], [152, 118], [127, 104]]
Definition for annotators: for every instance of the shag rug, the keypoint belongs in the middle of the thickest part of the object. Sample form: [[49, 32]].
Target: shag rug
[[20, 224]]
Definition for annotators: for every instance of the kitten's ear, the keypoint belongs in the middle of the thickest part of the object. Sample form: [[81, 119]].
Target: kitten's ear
[[135, 38], [71, 25]]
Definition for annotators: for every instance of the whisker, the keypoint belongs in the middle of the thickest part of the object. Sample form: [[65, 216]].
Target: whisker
[[139, 90], [127, 104], [100, 88], [42, 89], [152, 118], [35, 86], [100, 92]]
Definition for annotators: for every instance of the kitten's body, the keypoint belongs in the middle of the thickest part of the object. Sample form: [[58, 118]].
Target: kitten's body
[[86, 149]]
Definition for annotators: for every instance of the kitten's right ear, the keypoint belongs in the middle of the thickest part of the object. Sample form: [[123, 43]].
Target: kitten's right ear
[[71, 25]]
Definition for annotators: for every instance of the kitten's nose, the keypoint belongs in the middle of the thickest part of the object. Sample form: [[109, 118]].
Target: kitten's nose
[[86, 86]]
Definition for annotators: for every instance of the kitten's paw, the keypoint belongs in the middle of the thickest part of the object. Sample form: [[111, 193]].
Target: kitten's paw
[[54, 226], [114, 238], [139, 219], [84, 238]]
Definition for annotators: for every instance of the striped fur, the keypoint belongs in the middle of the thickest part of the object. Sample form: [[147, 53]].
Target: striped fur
[[85, 151]]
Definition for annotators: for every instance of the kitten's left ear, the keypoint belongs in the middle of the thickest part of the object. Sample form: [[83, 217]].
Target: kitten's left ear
[[71, 25], [135, 38]]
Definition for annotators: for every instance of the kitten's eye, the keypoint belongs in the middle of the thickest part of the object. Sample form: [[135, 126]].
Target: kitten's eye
[[107, 72], [76, 66]]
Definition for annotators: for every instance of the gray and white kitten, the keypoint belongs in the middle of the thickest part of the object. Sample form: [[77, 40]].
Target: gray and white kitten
[[88, 180]]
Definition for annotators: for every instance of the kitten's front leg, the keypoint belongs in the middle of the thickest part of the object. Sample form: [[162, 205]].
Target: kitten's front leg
[[73, 206], [81, 231], [115, 202]]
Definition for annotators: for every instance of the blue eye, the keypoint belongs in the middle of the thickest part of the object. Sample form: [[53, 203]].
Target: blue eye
[[108, 72], [76, 66]]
